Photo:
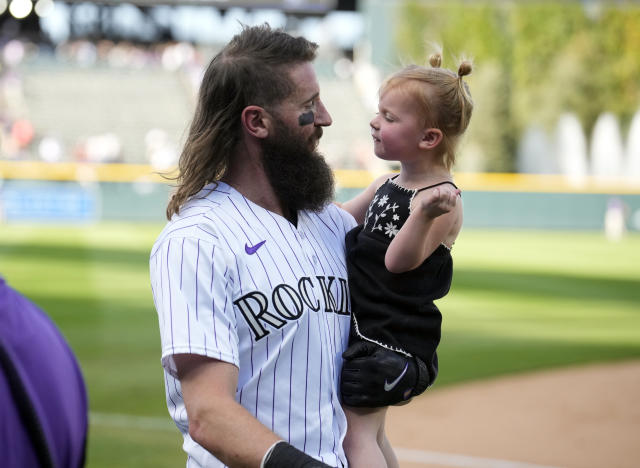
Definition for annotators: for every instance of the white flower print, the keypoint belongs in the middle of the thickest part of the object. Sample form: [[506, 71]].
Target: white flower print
[[382, 214], [390, 229], [396, 217]]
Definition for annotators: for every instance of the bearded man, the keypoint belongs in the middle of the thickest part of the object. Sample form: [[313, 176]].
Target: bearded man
[[249, 277]]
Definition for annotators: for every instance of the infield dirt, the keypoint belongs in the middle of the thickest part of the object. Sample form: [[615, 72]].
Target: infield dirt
[[581, 417]]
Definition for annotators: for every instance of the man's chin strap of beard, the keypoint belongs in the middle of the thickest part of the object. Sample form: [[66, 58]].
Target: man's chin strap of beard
[[300, 177], [290, 215]]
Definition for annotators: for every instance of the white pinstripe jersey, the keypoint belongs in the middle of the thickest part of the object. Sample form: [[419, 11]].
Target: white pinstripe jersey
[[241, 284]]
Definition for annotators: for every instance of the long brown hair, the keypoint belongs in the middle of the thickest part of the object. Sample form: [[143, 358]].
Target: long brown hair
[[249, 70]]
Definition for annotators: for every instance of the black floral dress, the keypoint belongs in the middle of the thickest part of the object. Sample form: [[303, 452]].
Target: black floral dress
[[395, 310]]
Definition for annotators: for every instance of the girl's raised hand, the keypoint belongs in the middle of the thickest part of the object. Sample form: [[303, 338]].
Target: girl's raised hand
[[439, 201]]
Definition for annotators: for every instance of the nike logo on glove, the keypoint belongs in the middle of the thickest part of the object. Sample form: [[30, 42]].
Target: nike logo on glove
[[389, 386], [251, 249]]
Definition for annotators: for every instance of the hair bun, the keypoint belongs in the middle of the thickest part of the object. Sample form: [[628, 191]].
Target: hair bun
[[464, 69], [435, 60]]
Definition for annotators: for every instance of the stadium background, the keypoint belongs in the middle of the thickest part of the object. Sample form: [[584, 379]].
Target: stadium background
[[94, 106]]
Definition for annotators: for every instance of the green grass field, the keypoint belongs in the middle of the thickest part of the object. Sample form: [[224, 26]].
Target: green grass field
[[521, 301]]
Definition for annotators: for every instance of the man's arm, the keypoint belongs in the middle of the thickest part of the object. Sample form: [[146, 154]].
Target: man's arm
[[224, 427], [357, 206], [216, 421]]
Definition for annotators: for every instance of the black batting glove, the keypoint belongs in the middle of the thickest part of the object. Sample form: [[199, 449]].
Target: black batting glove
[[284, 455], [373, 376]]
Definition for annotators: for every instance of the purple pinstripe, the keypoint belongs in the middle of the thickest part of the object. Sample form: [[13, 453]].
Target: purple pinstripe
[[197, 264], [170, 296], [306, 386], [320, 392]]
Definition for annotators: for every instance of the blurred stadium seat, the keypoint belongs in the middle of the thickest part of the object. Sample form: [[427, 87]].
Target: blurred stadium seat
[[75, 103]]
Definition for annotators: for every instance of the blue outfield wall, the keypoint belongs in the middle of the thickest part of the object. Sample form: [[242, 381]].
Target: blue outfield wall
[[539, 210], [70, 201], [543, 210]]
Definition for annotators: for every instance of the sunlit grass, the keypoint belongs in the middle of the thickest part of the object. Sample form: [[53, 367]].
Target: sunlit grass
[[521, 300]]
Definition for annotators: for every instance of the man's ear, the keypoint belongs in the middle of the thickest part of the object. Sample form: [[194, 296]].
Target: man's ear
[[431, 138], [255, 121]]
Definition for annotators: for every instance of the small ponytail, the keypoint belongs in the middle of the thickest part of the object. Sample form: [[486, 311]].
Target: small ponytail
[[464, 69], [435, 60]]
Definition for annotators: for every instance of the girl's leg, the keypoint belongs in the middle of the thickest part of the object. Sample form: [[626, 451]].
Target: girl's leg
[[361, 442], [385, 446]]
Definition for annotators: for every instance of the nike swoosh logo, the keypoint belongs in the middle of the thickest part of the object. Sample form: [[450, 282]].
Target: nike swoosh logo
[[389, 386], [251, 249]]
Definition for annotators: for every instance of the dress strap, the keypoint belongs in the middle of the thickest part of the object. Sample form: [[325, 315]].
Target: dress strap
[[435, 185]]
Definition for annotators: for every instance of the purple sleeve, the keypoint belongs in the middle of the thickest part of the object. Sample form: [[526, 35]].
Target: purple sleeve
[[52, 380]]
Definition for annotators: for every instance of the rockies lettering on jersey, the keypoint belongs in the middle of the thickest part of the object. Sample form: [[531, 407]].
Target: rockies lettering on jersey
[[236, 283], [288, 304]]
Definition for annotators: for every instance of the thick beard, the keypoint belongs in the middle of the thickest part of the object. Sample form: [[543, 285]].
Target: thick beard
[[299, 175]]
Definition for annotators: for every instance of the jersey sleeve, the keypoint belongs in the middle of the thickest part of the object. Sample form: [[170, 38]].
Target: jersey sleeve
[[192, 286]]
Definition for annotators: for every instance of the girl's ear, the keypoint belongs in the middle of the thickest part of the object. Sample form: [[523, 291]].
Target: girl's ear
[[255, 121], [430, 139]]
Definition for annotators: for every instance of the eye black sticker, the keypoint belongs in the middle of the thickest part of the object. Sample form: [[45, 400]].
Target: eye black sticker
[[306, 118]]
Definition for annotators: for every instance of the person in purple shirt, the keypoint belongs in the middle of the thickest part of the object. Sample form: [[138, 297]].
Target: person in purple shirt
[[43, 398]]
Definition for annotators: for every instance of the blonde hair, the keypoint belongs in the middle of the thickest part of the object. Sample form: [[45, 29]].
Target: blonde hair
[[443, 97]]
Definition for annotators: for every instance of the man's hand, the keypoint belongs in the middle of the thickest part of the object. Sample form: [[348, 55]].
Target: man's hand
[[373, 376]]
